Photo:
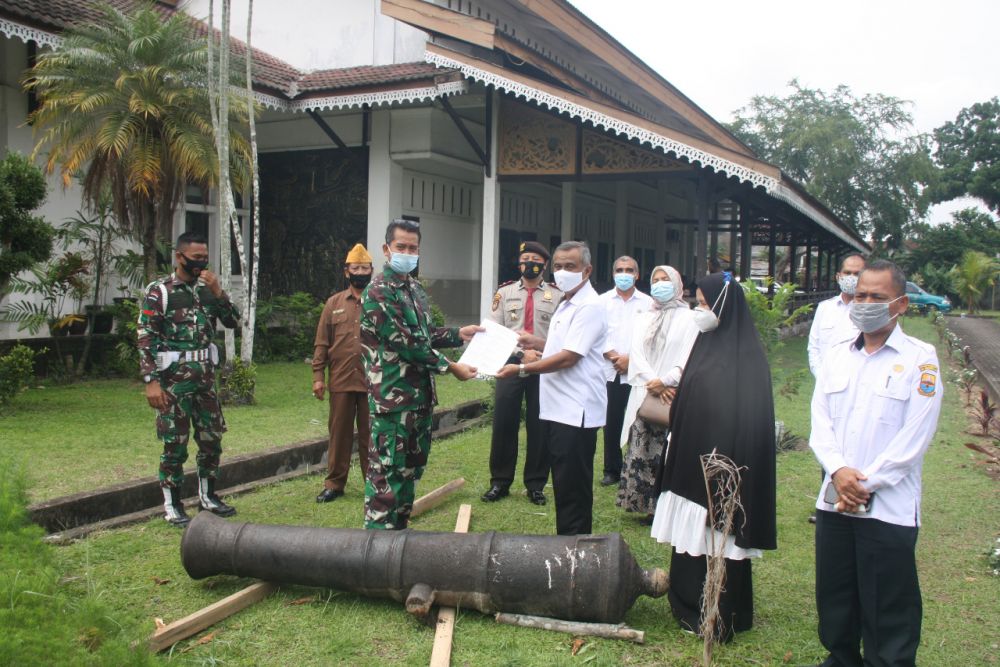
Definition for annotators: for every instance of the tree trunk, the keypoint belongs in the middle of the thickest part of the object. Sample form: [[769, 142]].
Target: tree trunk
[[250, 281]]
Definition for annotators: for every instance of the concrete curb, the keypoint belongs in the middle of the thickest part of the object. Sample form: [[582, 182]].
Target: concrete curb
[[70, 517]]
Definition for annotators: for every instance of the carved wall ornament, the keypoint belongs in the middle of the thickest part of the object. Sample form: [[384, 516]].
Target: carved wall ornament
[[606, 155], [533, 142]]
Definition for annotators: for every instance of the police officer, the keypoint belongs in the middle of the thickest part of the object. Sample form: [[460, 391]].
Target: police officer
[[525, 306], [177, 359]]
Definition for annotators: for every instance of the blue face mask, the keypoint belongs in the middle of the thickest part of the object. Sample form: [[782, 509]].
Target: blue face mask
[[624, 281], [663, 291], [403, 263]]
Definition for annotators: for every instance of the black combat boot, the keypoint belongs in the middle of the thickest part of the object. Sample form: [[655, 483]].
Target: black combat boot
[[211, 502], [173, 507]]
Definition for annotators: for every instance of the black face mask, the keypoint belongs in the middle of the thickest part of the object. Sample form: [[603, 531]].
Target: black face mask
[[194, 266], [532, 270], [359, 280]]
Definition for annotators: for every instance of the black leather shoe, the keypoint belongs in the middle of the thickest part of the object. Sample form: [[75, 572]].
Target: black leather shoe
[[327, 495], [536, 497], [610, 479], [495, 493], [812, 518]]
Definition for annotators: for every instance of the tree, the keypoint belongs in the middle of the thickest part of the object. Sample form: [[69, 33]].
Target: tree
[[25, 239], [968, 152], [976, 272], [123, 103], [932, 251], [852, 153]]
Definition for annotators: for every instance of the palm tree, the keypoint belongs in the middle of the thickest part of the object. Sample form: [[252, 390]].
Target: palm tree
[[973, 275], [124, 105]]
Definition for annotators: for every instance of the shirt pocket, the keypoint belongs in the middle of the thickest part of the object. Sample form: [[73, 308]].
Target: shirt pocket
[[891, 402], [835, 385]]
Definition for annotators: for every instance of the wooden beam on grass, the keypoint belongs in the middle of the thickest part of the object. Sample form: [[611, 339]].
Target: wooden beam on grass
[[606, 630], [445, 630], [436, 497], [172, 633]]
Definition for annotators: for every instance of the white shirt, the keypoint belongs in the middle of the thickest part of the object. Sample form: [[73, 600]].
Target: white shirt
[[877, 413], [668, 365], [576, 396], [621, 316], [831, 325]]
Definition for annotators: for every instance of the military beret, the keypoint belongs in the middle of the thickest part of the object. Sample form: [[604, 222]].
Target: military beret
[[535, 247]]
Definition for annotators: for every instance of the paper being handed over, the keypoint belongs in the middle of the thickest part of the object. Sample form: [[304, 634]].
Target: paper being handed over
[[489, 350]]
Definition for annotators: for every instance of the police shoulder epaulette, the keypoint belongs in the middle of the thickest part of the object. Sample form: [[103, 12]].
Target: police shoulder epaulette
[[509, 282]]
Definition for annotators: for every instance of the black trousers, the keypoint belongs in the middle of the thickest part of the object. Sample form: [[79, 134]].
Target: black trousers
[[614, 418], [687, 581], [571, 455], [506, 426], [867, 591]]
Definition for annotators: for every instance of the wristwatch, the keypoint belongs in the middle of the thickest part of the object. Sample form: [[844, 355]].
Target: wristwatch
[[147, 378], [521, 373]]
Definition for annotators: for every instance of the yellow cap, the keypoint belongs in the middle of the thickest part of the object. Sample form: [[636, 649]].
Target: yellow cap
[[358, 255]]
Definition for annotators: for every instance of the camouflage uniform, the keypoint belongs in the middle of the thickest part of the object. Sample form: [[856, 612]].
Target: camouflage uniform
[[398, 342], [185, 323]]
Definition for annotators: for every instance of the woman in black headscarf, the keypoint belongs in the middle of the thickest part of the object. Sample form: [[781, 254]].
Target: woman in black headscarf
[[724, 403]]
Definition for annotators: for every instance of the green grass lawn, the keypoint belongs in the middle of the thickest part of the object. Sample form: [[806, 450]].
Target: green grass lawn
[[93, 433], [136, 573]]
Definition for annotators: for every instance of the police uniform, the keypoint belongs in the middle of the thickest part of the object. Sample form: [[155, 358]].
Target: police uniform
[[876, 413], [509, 308], [176, 330]]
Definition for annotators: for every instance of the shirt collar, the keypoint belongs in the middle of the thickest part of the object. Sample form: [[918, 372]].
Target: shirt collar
[[895, 340], [393, 278]]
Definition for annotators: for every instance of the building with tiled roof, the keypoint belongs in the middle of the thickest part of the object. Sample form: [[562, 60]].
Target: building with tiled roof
[[489, 121]]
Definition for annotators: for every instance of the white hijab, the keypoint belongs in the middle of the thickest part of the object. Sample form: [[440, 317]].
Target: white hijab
[[659, 326]]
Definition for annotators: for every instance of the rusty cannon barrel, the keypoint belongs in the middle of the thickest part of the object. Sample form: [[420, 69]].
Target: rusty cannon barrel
[[579, 578]]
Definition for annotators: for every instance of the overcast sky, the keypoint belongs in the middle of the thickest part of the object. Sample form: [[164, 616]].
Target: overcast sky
[[940, 55]]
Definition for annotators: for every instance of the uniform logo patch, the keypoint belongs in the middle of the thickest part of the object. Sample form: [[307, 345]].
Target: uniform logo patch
[[929, 367], [928, 383], [547, 296], [898, 368], [496, 301]]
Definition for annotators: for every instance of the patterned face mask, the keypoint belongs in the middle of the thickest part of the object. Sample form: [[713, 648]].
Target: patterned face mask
[[848, 284]]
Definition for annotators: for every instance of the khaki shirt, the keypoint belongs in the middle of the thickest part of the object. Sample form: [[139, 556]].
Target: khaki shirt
[[510, 299], [338, 344]]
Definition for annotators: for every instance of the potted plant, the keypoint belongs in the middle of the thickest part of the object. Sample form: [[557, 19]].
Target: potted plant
[[51, 284]]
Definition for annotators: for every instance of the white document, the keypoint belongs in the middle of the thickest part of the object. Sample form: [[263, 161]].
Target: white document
[[489, 350]]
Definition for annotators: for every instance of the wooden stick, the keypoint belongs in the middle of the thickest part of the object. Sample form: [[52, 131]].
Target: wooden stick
[[174, 632], [441, 653], [436, 497], [608, 630]]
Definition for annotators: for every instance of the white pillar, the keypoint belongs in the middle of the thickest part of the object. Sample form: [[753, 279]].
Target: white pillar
[[621, 220], [568, 211], [385, 179], [491, 223]]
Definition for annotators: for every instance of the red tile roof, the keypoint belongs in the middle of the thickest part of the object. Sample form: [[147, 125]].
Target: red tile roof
[[269, 72]]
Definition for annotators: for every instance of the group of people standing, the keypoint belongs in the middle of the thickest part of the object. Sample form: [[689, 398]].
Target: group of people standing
[[668, 384]]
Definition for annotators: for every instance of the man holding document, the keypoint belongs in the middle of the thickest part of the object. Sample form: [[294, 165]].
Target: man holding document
[[572, 392], [522, 306]]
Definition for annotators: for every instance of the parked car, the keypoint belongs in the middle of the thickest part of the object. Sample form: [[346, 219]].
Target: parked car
[[924, 300]]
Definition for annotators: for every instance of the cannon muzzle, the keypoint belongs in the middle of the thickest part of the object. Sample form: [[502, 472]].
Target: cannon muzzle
[[579, 578]]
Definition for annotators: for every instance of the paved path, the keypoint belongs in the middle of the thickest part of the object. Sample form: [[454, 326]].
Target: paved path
[[982, 335]]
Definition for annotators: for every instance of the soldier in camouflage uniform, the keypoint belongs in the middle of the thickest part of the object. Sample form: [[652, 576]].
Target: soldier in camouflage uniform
[[177, 359], [398, 342]]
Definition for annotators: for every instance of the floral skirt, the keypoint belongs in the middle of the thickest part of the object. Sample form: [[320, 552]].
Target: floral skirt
[[637, 490]]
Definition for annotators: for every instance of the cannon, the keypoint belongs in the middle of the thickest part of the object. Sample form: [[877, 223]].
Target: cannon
[[578, 578]]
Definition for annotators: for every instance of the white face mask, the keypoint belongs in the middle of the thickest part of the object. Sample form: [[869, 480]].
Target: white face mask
[[567, 280], [705, 320], [848, 284], [870, 317]]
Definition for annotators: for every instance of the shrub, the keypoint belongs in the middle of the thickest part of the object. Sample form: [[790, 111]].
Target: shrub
[[126, 357], [239, 381], [771, 314], [17, 367], [286, 327]]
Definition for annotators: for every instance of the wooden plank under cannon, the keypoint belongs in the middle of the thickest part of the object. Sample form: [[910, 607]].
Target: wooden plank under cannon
[[172, 633], [441, 653], [436, 497]]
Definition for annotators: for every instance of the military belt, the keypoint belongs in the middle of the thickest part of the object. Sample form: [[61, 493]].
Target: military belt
[[164, 359]]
